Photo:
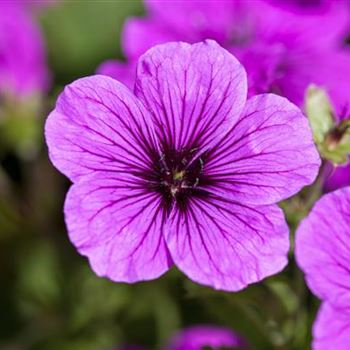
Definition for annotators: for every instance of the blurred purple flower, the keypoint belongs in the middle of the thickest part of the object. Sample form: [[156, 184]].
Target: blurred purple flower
[[201, 336], [23, 69], [306, 6], [337, 177], [283, 51], [37, 3], [323, 253], [184, 171]]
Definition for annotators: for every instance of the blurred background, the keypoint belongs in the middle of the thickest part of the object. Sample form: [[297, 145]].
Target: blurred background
[[49, 297]]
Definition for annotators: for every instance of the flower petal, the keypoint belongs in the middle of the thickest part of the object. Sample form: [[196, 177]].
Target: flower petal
[[267, 156], [227, 245], [196, 92], [99, 125], [323, 247], [118, 224], [203, 336], [332, 328]]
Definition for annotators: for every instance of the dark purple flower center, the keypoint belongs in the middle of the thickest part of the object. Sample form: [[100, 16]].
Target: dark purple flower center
[[179, 176]]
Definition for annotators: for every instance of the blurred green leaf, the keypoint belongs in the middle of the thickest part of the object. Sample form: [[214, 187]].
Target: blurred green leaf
[[39, 278], [21, 125], [285, 294], [95, 299], [82, 34]]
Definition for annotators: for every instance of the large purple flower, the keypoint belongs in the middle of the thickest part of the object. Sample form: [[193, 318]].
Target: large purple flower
[[323, 253], [205, 336], [283, 51], [23, 68], [183, 171]]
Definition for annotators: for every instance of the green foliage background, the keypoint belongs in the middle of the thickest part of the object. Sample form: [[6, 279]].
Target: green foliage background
[[49, 298]]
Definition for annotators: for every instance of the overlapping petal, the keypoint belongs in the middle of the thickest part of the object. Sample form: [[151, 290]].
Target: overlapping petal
[[121, 71], [196, 20], [278, 49], [139, 35], [204, 336], [301, 28], [195, 92], [323, 247], [337, 177], [332, 328], [119, 225], [227, 245], [333, 64], [267, 156], [99, 125]]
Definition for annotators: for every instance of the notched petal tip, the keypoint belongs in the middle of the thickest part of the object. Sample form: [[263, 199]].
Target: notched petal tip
[[195, 91]]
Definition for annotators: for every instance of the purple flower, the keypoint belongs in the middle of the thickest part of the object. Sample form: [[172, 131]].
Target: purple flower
[[201, 336], [337, 177], [283, 51], [23, 68], [322, 252], [332, 328], [183, 171]]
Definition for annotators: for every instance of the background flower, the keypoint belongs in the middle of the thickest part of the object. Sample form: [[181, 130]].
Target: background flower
[[201, 336], [322, 251], [337, 177], [23, 69], [279, 49]]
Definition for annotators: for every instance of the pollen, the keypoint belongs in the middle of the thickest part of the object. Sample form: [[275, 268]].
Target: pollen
[[179, 175]]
